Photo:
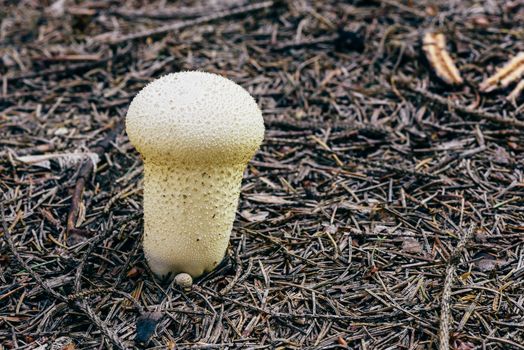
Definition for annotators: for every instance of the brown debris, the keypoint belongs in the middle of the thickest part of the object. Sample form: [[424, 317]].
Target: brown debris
[[486, 262], [412, 245], [506, 75], [434, 45]]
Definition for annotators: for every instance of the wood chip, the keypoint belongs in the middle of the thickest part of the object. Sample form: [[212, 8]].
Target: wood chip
[[509, 73], [434, 45]]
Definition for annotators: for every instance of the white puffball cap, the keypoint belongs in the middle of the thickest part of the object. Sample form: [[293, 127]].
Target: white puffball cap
[[195, 117]]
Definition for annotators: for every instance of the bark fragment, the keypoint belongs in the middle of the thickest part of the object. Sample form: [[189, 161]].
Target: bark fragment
[[509, 73], [434, 45]]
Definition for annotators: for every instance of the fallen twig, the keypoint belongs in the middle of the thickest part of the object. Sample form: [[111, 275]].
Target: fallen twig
[[294, 124], [111, 39], [85, 170], [506, 75], [434, 45], [479, 114], [445, 307]]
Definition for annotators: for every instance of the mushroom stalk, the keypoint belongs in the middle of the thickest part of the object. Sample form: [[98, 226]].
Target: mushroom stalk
[[196, 204]]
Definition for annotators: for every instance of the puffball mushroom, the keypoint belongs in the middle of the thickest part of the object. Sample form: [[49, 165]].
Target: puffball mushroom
[[196, 132], [184, 281]]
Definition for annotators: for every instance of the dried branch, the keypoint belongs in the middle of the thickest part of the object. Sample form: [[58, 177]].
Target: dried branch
[[111, 39], [434, 45], [69, 69], [509, 73], [479, 114], [84, 173], [445, 304]]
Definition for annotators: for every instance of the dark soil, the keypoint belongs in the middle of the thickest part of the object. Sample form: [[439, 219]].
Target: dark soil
[[385, 209]]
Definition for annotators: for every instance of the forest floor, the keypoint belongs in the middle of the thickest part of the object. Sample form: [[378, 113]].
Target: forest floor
[[385, 209]]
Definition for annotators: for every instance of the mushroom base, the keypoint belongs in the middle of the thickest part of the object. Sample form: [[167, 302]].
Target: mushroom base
[[188, 215]]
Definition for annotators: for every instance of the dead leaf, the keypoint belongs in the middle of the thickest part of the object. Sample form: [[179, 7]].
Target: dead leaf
[[61, 131], [380, 229], [513, 145], [411, 245], [453, 145], [135, 272], [57, 9], [431, 10], [77, 236], [486, 262], [459, 344], [501, 156], [29, 338], [341, 341], [480, 236]]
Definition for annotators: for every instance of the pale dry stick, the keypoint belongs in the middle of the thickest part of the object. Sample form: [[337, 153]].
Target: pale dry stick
[[445, 305], [479, 114], [506, 75], [109, 37], [79, 305], [434, 45]]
